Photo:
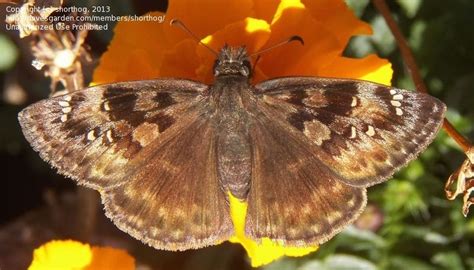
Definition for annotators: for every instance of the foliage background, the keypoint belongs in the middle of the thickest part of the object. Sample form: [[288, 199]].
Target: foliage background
[[410, 223]]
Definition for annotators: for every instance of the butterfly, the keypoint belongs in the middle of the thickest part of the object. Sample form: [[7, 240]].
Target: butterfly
[[300, 151]]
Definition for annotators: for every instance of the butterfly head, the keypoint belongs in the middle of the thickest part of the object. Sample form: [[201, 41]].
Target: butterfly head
[[232, 61]]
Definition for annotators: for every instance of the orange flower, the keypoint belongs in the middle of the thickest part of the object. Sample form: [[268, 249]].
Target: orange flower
[[147, 50], [73, 255]]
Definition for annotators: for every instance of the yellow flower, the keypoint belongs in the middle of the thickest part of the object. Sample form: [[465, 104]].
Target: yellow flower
[[73, 255], [147, 50]]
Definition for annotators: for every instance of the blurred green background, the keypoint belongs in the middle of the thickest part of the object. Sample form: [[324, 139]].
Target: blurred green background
[[409, 223]]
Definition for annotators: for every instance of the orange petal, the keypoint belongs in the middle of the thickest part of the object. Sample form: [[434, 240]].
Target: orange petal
[[136, 49], [320, 49], [137, 58], [205, 16], [265, 9], [110, 258], [371, 68], [181, 61], [337, 17]]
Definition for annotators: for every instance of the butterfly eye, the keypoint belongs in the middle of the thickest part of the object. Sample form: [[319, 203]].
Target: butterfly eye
[[244, 71], [246, 68]]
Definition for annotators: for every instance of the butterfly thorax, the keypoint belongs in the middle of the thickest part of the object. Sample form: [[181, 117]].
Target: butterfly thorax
[[231, 95]]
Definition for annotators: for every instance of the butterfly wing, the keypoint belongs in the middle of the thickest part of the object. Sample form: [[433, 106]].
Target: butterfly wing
[[362, 131], [318, 143], [88, 134], [174, 200], [128, 140], [294, 198]]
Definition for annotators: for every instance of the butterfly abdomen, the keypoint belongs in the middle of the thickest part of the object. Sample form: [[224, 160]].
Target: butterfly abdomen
[[233, 141], [234, 163]]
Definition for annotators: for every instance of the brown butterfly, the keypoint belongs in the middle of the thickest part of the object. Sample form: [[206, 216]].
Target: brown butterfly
[[164, 153]]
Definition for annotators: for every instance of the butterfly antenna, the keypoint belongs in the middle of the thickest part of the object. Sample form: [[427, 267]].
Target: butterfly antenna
[[180, 24], [291, 39], [256, 61]]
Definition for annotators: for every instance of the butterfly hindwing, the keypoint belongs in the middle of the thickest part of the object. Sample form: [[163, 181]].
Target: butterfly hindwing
[[174, 200], [363, 131], [294, 198]]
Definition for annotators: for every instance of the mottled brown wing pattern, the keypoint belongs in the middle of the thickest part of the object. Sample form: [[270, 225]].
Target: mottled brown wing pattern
[[362, 131], [88, 134], [294, 198], [119, 137], [174, 201]]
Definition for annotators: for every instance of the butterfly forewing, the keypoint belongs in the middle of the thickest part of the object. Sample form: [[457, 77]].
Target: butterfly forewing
[[88, 134], [362, 131]]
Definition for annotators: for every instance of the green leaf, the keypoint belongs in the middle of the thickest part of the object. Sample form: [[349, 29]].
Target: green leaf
[[436, 238], [282, 264], [345, 262], [416, 36], [402, 198], [410, 7], [448, 260], [405, 262], [382, 37], [358, 6], [311, 265], [359, 236], [338, 262], [414, 170]]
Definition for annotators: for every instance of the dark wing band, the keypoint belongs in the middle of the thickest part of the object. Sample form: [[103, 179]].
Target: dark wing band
[[362, 131]]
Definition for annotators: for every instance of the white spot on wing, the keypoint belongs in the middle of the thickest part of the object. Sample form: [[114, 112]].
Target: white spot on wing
[[63, 103], [393, 92], [398, 97], [353, 132], [370, 131], [106, 106], [66, 109], [398, 111], [395, 103], [354, 102], [91, 135], [64, 118], [108, 134]]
